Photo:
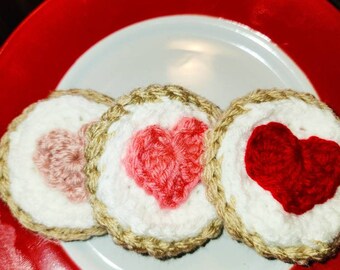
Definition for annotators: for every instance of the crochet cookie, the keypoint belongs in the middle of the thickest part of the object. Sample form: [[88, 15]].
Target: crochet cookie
[[273, 174], [144, 171], [41, 165]]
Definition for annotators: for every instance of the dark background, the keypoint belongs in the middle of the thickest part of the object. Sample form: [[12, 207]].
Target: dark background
[[12, 12]]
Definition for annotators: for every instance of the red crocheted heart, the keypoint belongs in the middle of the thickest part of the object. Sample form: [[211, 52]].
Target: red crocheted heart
[[298, 173], [166, 163]]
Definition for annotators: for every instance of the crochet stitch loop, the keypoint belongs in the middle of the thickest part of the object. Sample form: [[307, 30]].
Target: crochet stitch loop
[[60, 159], [215, 191], [166, 163], [98, 135], [298, 173], [65, 234]]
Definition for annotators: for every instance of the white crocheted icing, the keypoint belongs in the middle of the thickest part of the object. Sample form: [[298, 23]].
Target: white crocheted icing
[[130, 204], [259, 211], [46, 205]]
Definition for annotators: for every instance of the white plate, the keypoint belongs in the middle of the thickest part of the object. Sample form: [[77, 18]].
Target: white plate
[[216, 58]]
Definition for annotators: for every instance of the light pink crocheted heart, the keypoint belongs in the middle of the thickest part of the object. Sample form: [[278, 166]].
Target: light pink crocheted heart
[[60, 159], [166, 163]]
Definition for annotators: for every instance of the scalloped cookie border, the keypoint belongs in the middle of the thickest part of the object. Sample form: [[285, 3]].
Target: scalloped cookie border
[[98, 135], [65, 234], [303, 255]]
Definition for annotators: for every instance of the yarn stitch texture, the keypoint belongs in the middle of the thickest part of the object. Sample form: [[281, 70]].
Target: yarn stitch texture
[[166, 163], [303, 255], [298, 173], [128, 202], [98, 135], [60, 158], [65, 234]]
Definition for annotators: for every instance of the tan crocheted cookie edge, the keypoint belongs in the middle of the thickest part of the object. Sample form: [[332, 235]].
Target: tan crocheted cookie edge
[[89, 94], [97, 136], [303, 255], [65, 234]]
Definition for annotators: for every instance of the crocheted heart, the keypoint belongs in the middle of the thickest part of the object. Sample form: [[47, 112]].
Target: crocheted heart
[[166, 163], [298, 173], [60, 159]]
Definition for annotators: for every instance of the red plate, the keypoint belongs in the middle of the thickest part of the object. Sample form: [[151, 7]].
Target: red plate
[[40, 51]]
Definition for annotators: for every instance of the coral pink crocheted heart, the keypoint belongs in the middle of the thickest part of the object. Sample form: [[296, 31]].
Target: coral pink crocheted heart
[[60, 159], [166, 163], [298, 173]]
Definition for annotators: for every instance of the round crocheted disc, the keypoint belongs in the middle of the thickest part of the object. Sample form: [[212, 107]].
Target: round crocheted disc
[[42, 156], [144, 169], [272, 170]]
